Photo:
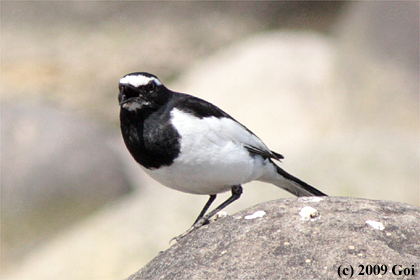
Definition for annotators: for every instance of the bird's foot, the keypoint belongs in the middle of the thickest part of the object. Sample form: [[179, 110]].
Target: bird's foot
[[201, 222]]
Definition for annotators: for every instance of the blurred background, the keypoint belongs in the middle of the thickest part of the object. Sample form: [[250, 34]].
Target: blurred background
[[333, 86]]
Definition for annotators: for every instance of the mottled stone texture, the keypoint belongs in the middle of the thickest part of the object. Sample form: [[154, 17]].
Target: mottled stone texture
[[284, 245]]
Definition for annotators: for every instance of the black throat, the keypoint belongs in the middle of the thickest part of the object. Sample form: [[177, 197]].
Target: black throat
[[150, 137]]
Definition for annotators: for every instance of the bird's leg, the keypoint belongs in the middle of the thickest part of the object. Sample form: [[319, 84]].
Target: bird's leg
[[203, 219], [236, 193], [206, 207]]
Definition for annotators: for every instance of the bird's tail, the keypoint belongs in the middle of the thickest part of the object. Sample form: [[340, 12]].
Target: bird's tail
[[292, 184]]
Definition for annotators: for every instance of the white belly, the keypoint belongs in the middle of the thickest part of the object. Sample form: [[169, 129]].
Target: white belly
[[209, 173]]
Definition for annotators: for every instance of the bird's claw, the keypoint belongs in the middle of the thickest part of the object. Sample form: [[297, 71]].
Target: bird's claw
[[199, 223]]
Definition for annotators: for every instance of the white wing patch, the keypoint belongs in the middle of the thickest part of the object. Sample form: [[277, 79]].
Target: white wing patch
[[138, 80], [219, 131], [228, 129]]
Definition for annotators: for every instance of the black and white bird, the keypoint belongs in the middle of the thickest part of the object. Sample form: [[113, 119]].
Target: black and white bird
[[190, 145]]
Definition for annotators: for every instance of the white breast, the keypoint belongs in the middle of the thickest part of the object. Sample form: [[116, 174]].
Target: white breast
[[212, 157]]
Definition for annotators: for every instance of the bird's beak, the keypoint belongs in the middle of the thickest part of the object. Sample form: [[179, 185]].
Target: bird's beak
[[129, 100], [121, 96], [126, 102], [134, 99]]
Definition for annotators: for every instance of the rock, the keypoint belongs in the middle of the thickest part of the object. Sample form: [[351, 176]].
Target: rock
[[377, 78], [276, 240], [378, 64], [37, 42], [57, 168]]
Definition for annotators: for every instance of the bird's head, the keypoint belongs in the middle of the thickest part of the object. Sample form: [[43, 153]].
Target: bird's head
[[141, 90]]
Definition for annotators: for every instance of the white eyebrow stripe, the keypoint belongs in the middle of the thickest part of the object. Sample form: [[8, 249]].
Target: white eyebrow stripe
[[138, 80]]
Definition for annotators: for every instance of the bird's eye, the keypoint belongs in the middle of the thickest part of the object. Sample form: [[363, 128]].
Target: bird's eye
[[151, 87]]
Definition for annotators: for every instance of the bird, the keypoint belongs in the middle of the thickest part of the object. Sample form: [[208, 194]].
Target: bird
[[190, 145]]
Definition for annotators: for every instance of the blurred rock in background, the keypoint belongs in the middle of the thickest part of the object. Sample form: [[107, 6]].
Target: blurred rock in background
[[379, 64], [74, 52], [56, 168], [378, 79], [332, 86]]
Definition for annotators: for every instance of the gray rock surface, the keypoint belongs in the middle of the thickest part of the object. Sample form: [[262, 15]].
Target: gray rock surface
[[284, 244]]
